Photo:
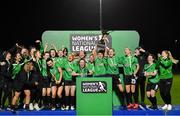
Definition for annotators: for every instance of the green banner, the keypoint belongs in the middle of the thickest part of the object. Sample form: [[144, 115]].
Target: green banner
[[84, 40]]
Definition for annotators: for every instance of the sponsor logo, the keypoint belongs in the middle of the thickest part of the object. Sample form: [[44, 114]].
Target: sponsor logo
[[93, 87]]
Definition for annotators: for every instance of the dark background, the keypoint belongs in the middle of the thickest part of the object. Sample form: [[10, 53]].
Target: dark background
[[157, 22]]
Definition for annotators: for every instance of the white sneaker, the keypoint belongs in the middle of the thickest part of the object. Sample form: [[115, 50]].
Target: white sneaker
[[31, 106], [53, 108], [165, 107], [36, 107], [24, 106], [169, 107], [67, 108], [63, 108], [72, 108]]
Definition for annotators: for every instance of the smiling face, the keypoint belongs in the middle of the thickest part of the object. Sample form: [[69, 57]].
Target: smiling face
[[91, 58], [18, 57], [46, 56], [100, 55], [38, 54], [60, 53], [127, 51], [164, 54], [81, 54], [150, 59], [24, 52], [111, 52], [82, 63], [50, 63], [52, 53], [70, 57], [8, 56], [32, 51]]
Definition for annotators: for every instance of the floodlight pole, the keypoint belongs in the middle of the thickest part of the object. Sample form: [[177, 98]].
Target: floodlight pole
[[100, 15]]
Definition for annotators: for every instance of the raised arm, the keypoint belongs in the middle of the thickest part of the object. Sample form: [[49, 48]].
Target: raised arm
[[53, 46], [45, 47], [94, 53]]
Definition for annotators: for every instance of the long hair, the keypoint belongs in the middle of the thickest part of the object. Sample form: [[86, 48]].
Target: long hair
[[175, 61]]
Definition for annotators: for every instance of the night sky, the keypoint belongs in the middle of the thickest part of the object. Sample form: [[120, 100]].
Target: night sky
[[24, 21]]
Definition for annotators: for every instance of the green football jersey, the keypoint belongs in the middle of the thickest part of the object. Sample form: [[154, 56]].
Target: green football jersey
[[68, 68], [100, 66], [112, 65], [55, 72], [165, 68], [44, 68], [150, 69], [129, 64], [90, 66], [16, 69]]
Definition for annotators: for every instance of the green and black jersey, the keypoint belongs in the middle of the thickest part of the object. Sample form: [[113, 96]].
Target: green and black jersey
[[39, 65], [60, 61], [129, 64], [165, 68], [82, 71], [68, 68], [44, 68], [100, 66], [16, 69], [41, 48], [55, 72], [90, 66], [151, 69], [112, 65]]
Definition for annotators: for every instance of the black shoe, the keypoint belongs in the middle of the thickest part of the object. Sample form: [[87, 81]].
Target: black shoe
[[12, 109], [53, 107], [58, 105], [123, 107], [26, 108], [143, 104], [20, 106], [153, 107], [2, 107]]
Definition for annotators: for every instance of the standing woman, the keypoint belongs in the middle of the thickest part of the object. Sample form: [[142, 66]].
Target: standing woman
[[57, 81], [141, 55], [46, 89], [112, 71], [70, 82], [6, 71], [100, 63], [151, 73], [17, 65], [61, 58], [131, 67], [36, 82], [22, 83], [165, 62]]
